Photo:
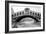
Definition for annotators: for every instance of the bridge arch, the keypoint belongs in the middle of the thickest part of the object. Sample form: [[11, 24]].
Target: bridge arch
[[21, 17]]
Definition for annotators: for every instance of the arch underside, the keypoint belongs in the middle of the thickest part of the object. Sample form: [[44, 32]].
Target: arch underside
[[17, 19]]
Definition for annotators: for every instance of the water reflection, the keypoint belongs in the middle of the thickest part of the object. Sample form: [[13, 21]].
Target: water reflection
[[27, 22]]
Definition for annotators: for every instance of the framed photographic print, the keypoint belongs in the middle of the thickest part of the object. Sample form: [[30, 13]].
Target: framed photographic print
[[24, 16]]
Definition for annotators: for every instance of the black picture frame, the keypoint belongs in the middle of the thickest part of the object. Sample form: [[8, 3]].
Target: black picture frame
[[7, 16]]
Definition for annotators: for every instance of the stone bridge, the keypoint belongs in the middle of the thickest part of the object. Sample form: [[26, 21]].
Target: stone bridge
[[26, 13]]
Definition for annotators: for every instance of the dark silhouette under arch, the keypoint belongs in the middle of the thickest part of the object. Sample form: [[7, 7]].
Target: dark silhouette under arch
[[21, 17]]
